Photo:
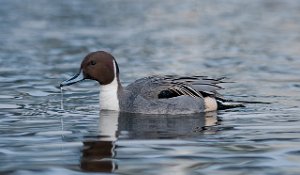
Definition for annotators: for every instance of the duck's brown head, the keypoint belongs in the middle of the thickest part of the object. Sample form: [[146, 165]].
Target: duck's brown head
[[100, 66]]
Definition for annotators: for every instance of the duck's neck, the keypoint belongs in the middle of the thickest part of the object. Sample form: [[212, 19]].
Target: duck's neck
[[109, 94]]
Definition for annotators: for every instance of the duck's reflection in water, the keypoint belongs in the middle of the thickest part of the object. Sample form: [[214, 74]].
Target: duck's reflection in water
[[99, 154]]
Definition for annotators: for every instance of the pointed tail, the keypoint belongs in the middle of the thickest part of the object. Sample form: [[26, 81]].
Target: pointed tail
[[222, 104], [227, 104]]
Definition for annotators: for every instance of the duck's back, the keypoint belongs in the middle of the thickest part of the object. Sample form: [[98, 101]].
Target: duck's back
[[148, 87]]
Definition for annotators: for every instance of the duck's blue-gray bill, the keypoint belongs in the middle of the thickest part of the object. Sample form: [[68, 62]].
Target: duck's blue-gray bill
[[75, 79]]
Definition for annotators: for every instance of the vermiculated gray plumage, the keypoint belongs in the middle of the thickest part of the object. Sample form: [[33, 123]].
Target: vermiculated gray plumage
[[187, 94]]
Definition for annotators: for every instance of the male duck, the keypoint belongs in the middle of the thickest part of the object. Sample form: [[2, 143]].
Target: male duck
[[168, 94]]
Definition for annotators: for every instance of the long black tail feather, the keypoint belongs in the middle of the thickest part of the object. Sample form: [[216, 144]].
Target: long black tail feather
[[228, 104]]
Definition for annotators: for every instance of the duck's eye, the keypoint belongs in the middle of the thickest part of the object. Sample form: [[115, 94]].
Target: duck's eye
[[93, 62]]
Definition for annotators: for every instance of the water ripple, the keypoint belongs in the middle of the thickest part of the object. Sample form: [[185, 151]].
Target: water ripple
[[43, 43]]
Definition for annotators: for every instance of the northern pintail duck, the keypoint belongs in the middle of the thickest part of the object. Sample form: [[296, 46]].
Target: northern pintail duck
[[169, 94]]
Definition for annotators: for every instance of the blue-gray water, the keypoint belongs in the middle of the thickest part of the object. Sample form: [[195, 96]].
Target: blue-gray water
[[254, 43]]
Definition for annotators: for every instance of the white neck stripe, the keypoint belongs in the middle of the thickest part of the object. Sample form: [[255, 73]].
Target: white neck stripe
[[109, 93]]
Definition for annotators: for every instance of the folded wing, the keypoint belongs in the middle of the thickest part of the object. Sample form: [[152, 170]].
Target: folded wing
[[170, 86]]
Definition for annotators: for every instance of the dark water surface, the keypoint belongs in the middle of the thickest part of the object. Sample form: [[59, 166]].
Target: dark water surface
[[255, 43]]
